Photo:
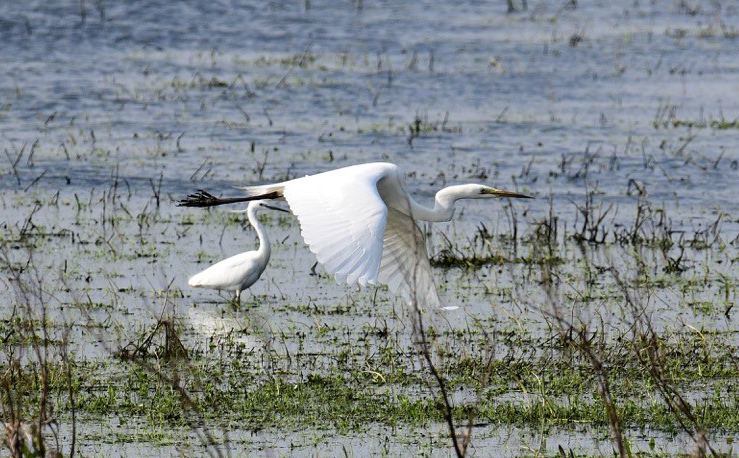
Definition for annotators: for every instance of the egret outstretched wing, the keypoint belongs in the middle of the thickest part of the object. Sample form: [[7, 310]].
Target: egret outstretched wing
[[405, 266], [342, 219]]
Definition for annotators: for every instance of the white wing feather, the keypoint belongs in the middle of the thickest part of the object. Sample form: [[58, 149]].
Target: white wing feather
[[405, 264], [342, 219], [347, 224]]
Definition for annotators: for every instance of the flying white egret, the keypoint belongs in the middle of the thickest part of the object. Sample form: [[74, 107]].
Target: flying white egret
[[242, 270], [360, 221]]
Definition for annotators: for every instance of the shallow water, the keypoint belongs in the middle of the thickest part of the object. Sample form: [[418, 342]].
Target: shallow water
[[123, 108]]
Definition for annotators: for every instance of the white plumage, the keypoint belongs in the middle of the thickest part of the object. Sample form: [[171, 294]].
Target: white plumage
[[360, 221], [238, 272]]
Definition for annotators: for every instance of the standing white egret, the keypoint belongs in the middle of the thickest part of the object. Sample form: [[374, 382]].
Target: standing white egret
[[360, 223], [242, 270]]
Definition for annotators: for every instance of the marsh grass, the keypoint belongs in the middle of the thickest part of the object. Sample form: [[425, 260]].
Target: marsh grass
[[593, 319], [29, 353], [497, 370]]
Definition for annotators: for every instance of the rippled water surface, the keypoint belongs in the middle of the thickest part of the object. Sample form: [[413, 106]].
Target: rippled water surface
[[110, 111]]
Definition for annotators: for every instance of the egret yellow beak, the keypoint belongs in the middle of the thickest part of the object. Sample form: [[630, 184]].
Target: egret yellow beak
[[501, 193], [276, 208]]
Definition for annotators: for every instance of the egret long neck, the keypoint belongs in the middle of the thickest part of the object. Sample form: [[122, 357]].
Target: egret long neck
[[443, 206], [264, 250]]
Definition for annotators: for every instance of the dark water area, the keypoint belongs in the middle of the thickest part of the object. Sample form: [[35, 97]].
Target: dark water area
[[496, 91]]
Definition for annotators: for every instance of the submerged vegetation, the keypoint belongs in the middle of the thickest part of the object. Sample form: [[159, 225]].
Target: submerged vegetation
[[578, 338], [598, 319]]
